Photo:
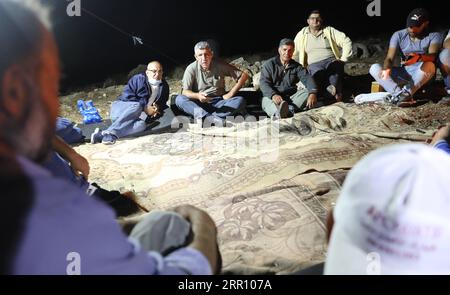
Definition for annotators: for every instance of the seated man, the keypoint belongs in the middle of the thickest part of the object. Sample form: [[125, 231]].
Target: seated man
[[51, 224], [279, 78], [143, 103], [419, 48], [204, 95], [444, 62], [323, 50], [391, 217]]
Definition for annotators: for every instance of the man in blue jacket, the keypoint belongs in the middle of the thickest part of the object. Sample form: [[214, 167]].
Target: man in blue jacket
[[142, 103]]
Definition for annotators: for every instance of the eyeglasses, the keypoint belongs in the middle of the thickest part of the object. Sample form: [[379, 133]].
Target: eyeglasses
[[155, 71], [315, 18]]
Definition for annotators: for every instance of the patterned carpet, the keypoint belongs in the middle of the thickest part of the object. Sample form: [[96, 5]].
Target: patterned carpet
[[268, 184]]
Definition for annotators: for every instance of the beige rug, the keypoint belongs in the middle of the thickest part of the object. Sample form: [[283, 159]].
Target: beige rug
[[268, 185]]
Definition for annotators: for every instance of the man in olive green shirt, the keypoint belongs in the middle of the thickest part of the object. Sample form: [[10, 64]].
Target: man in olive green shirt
[[204, 95]]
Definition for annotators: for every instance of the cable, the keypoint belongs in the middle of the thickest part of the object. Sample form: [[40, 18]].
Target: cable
[[130, 35]]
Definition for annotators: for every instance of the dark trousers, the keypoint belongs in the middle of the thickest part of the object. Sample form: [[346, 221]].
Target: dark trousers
[[327, 72]]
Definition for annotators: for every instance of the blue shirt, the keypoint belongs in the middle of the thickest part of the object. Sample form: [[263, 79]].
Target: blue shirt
[[402, 41], [64, 220]]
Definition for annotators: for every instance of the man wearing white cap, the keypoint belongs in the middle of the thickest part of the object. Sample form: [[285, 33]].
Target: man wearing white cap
[[392, 214]]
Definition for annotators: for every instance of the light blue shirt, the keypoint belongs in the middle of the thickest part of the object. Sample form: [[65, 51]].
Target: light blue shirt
[[402, 41]]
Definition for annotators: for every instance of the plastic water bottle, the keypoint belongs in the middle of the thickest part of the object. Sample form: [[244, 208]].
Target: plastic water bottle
[[89, 104], [89, 112], [80, 105], [92, 113]]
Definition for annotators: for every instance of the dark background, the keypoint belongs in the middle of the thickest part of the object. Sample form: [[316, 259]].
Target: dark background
[[92, 51]]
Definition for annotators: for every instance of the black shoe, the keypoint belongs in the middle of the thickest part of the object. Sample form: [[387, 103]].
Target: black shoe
[[121, 204], [283, 110], [332, 90], [302, 126], [215, 121]]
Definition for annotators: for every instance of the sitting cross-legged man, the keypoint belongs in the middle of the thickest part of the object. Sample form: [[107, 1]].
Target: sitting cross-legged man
[[142, 106], [204, 95], [279, 78], [419, 47]]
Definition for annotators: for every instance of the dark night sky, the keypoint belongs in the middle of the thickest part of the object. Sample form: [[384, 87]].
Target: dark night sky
[[91, 50]]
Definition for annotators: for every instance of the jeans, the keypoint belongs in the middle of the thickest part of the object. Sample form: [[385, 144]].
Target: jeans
[[410, 78], [296, 102], [125, 117], [217, 107], [327, 72]]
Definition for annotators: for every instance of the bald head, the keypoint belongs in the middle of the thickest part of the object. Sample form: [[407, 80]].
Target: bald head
[[154, 71]]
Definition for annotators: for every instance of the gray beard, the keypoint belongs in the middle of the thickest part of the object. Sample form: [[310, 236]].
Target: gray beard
[[37, 121]]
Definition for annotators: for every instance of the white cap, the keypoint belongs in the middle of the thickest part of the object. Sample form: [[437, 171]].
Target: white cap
[[393, 214]]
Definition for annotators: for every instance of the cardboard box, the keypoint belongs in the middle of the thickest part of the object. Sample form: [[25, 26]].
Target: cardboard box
[[376, 87]]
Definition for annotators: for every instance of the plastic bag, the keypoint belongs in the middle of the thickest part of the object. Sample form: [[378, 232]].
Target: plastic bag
[[89, 112]]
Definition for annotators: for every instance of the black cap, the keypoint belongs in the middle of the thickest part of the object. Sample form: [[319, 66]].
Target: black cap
[[417, 17], [286, 41]]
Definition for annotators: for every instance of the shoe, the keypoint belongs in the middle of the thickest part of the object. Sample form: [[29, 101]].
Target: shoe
[[109, 138], [332, 90], [211, 121], [401, 99], [404, 99], [122, 204], [302, 126], [97, 136], [283, 110], [445, 100]]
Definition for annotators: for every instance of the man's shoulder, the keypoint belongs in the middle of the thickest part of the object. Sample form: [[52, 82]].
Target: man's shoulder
[[333, 30], [401, 33], [271, 61], [222, 67], [48, 189], [140, 77], [435, 34], [294, 64], [192, 66], [218, 62], [302, 31], [191, 70]]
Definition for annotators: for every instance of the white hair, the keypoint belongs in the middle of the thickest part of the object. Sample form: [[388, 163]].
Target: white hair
[[202, 45]]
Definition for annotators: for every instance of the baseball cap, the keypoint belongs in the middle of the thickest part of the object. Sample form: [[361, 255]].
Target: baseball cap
[[392, 216], [417, 17]]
